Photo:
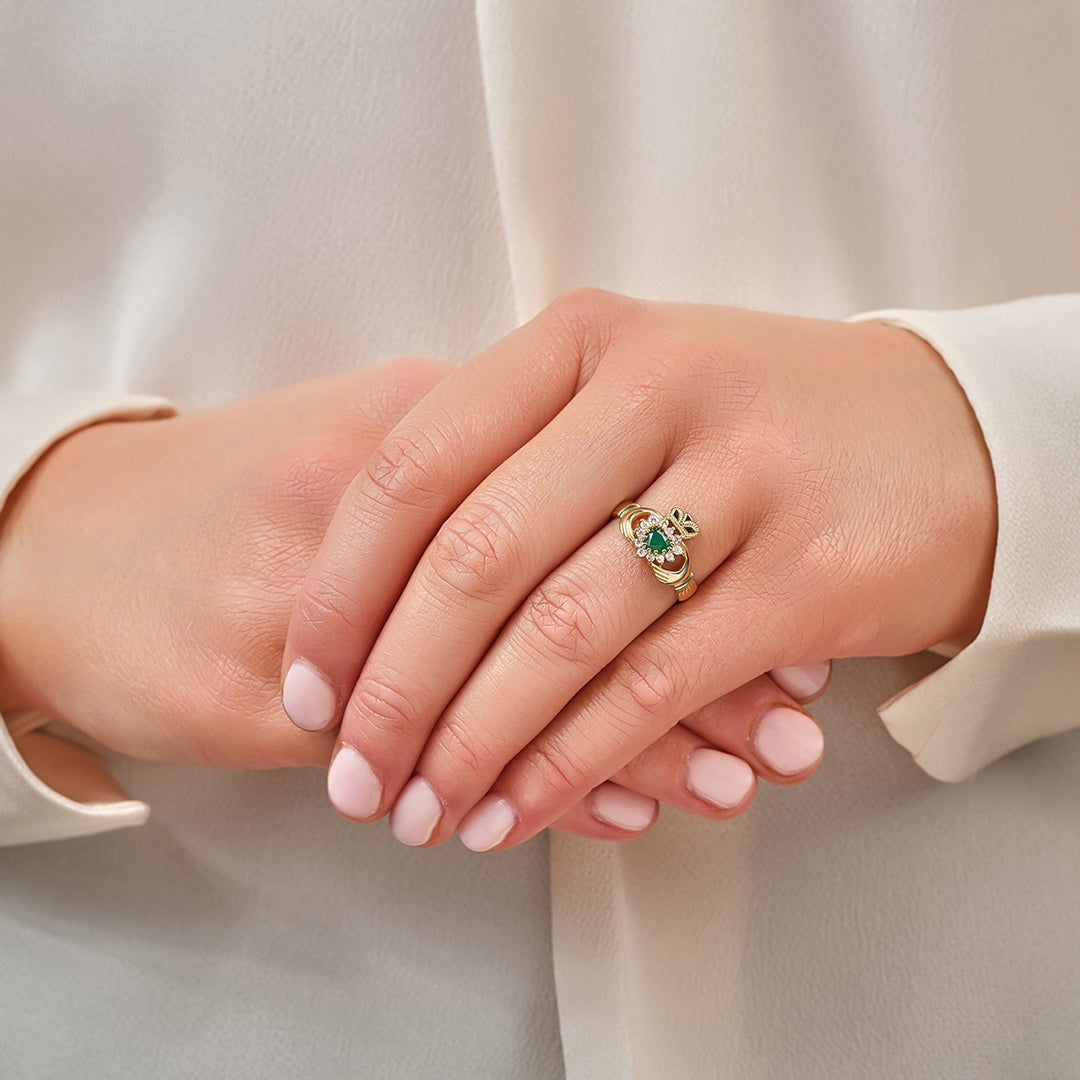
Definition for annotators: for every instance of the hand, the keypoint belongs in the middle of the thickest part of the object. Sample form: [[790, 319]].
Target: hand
[[846, 505], [148, 569]]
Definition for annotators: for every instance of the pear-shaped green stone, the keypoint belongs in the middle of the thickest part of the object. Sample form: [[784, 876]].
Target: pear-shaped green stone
[[657, 541]]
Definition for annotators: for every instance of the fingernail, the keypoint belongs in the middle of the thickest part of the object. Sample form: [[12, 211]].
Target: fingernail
[[308, 698], [788, 740], [487, 824], [352, 785], [804, 682], [416, 813], [624, 809], [721, 779]]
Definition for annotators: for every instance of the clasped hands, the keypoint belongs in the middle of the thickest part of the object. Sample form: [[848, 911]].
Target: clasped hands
[[495, 660], [466, 636]]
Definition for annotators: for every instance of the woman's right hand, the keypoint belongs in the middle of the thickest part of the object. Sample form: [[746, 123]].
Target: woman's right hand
[[148, 569]]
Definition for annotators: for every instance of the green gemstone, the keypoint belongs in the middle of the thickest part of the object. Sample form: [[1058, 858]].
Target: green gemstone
[[657, 541]]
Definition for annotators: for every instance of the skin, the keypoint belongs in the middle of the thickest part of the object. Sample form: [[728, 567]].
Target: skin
[[839, 477], [149, 569]]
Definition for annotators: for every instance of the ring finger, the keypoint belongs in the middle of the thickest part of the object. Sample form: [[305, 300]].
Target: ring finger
[[568, 630]]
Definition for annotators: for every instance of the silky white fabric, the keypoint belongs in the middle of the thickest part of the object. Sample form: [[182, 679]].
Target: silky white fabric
[[201, 201], [204, 200]]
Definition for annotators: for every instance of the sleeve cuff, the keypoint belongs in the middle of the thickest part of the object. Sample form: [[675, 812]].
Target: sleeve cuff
[[30, 811], [1019, 364]]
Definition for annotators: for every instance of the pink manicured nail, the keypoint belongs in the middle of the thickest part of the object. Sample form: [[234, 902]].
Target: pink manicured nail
[[721, 779], [624, 809], [788, 740], [416, 813], [352, 785], [308, 698], [804, 682], [487, 824]]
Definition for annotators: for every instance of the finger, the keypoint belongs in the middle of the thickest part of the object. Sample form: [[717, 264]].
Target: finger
[[681, 769], [694, 654], [467, 584], [688, 767], [483, 563], [688, 772], [609, 812], [706, 764], [685, 769], [568, 630], [767, 728], [468, 425], [804, 683]]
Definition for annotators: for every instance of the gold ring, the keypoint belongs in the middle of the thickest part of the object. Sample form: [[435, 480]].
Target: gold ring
[[661, 540]]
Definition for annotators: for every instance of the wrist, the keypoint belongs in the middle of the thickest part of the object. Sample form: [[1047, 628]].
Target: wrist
[[42, 507], [963, 498]]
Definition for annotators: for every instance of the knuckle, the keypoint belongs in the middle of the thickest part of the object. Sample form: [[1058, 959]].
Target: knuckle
[[475, 552], [647, 685], [463, 745], [558, 618], [585, 305], [408, 469], [385, 393], [656, 382], [384, 710], [556, 773], [583, 323]]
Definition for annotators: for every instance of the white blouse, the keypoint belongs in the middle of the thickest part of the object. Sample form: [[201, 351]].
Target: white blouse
[[201, 201]]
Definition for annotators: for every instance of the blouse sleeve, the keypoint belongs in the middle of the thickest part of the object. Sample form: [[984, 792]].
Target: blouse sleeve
[[30, 810], [1019, 364]]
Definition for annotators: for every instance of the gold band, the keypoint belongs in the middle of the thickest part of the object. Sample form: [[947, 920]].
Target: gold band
[[661, 540]]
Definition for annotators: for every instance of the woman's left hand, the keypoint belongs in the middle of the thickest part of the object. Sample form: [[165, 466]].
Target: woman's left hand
[[846, 507]]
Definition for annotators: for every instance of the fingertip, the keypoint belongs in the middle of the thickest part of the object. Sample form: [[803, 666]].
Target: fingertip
[[579, 821], [488, 824], [308, 698], [720, 779], [804, 682], [352, 785], [621, 808], [788, 742], [416, 814]]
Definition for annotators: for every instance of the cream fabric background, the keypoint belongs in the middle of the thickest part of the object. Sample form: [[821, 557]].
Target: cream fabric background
[[205, 200]]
